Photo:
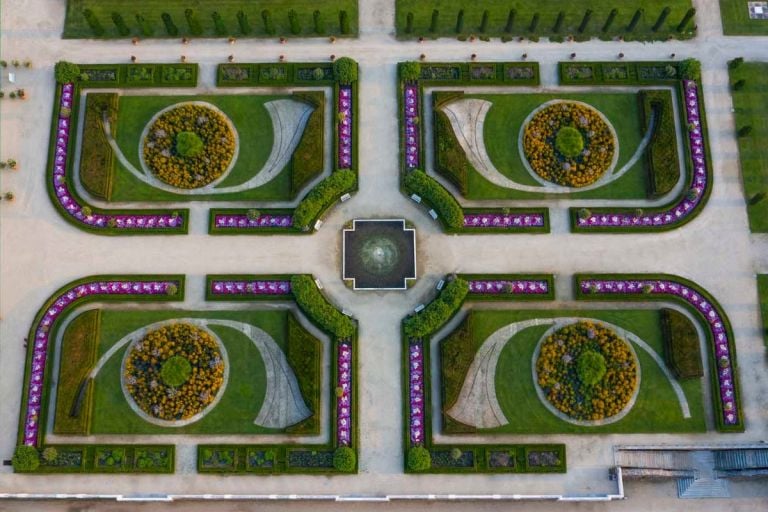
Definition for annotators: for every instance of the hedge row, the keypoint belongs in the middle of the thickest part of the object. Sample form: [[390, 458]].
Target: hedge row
[[96, 458], [314, 304], [74, 392], [619, 73], [515, 458], [305, 354], [451, 160], [308, 159], [662, 157], [682, 349], [476, 73], [323, 196], [275, 459], [273, 74], [138, 75], [437, 312], [96, 156], [417, 182]]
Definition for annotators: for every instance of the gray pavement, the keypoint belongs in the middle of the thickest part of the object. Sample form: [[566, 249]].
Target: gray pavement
[[40, 252]]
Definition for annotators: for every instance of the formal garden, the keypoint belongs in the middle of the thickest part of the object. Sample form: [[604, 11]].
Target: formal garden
[[637, 20], [748, 84], [114, 19], [140, 145], [632, 369], [744, 17], [270, 356], [643, 150]]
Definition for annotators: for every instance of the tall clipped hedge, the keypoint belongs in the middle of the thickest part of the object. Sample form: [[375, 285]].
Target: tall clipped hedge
[[318, 309], [438, 311], [322, 196], [417, 182], [345, 70]]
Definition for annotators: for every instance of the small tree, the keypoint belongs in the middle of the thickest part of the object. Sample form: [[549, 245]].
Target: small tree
[[635, 20], [409, 23], [510, 21], [756, 198], [218, 23], [735, 63], [690, 69], [484, 22], [344, 459], [558, 22], [242, 21], [50, 454], [93, 22], [745, 130], [293, 22], [25, 459], [611, 16], [419, 459], [534, 23], [266, 17], [170, 26], [144, 25], [345, 70], [344, 22], [739, 84], [410, 71], [435, 20], [319, 24], [194, 24], [585, 21], [66, 72], [662, 18], [460, 21], [686, 18], [119, 22]]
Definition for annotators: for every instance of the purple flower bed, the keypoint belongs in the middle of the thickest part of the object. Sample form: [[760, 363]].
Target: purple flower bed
[[514, 287], [225, 221], [43, 337], [507, 220], [412, 132], [693, 196], [257, 287], [724, 367], [345, 127], [416, 392], [344, 398], [71, 205]]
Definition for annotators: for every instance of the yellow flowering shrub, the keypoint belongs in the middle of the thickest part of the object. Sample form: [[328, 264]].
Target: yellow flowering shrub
[[570, 169], [196, 169], [560, 369], [201, 379]]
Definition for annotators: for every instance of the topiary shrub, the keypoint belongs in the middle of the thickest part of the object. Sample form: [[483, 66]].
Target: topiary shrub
[[175, 371], [345, 459], [293, 22], [188, 144], [93, 22], [170, 26], [318, 309], [323, 195], [419, 459], [590, 367], [439, 311], [66, 72], [662, 18], [119, 22], [50, 454], [266, 17], [319, 24], [410, 71], [569, 141], [690, 69], [194, 24], [345, 70], [608, 22], [25, 459], [417, 182], [344, 22], [218, 24]]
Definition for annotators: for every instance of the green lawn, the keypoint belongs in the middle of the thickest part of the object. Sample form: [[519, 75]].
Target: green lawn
[[502, 127], [76, 25], [762, 292], [751, 104], [548, 10], [656, 408], [254, 128], [736, 21], [243, 396]]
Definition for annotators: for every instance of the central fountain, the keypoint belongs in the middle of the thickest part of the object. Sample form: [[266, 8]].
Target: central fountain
[[379, 254]]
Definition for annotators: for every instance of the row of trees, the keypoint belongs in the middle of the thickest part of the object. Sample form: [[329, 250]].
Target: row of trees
[[195, 26], [533, 25]]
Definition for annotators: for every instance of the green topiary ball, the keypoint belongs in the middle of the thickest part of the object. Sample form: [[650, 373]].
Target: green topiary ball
[[569, 141], [25, 458], [188, 144], [419, 459], [175, 371], [344, 459], [590, 367]]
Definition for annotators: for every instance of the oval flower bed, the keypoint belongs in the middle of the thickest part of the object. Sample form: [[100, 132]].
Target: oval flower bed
[[174, 372], [189, 145], [587, 371], [569, 144]]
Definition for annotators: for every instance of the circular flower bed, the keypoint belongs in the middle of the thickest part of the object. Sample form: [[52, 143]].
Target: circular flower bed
[[569, 144], [174, 372], [189, 145], [587, 371]]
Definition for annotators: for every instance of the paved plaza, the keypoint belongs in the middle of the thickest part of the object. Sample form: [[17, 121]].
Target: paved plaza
[[39, 253]]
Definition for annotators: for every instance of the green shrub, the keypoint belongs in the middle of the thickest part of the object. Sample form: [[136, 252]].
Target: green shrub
[[684, 22], [293, 22], [690, 69], [119, 22], [175, 371], [662, 18], [417, 182], [438, 311], [188, 144], [410, 71], [419, 459], [558, 22], [609, 21], [662, 157], [25, 459], [50, 454], [345, 459], [170, 26], [93, 22], [307, 160], [435, 21], [585, 21], [266, 17], [242, 21], [409, 23], [682, 349], [635, 20], [534, 23], [345, 70], [460, 22], [450, 159], [195, 28], [590, 367], [144, 25], [484, 22], [66, 72], [344, 22], [323, 196], [569, 141], [318, 309], [319, 24], [218, 24], [510, 21]]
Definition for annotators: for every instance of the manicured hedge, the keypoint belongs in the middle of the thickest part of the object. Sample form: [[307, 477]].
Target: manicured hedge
[[73, 392], [345, 459], [96, 156], [476, 73], [274, 74], [99, 458], [319, 310], [663, 161], [437, 312], [682, 349], [619, 73], [308, 159], [139, 75], [450, 159], [323, 196], [305, 354], [417, 182]]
